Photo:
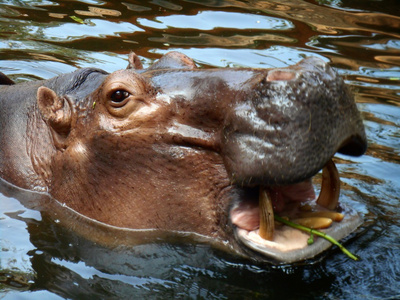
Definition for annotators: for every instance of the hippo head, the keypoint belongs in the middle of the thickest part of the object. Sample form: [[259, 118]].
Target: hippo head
[[183, 149]]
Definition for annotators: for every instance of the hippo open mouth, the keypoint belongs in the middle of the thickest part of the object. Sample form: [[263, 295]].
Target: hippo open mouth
[[257, 229]]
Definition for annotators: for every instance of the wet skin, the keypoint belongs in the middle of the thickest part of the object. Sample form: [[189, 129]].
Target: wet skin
[[174, 147]]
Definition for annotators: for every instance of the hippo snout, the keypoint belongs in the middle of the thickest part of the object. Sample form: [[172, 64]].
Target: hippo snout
[[296, 119]]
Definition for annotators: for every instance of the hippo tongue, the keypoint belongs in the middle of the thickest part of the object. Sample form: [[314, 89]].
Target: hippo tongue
[[299, 192]]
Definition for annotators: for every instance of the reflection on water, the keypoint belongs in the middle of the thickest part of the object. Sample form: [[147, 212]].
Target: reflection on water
[[40, 39]]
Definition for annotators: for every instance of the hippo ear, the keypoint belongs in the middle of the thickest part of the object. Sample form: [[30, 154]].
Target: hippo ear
[[134, 62], [57, 114]]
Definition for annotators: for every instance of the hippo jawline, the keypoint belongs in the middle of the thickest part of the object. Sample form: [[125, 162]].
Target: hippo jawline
[[297, 202]]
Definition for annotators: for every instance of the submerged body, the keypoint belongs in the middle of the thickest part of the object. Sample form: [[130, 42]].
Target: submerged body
[[177, 148]]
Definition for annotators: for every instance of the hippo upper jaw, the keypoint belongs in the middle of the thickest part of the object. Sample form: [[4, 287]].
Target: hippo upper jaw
[[294, 122]]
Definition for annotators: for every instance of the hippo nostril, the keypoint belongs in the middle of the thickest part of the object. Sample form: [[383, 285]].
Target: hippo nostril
[[280, 75], [355, 145]]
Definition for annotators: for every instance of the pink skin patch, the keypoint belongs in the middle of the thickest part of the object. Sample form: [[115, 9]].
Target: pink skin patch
[[246, 215], [280, 75]]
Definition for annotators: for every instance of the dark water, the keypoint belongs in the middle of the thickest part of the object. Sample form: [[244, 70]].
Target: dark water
[[42, 259]]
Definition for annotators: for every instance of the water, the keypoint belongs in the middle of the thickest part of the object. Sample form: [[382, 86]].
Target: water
[[41, 258]]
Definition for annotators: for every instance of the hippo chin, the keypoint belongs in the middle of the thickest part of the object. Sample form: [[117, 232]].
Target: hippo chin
[[182, 149]]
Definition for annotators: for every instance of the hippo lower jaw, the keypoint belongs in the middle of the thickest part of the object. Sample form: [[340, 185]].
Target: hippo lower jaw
[[253, 218]]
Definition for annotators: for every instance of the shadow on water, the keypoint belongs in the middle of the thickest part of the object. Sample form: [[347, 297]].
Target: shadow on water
[[42, 256]]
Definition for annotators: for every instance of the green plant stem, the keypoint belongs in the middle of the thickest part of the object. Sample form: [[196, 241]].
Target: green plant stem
[[319, 233]]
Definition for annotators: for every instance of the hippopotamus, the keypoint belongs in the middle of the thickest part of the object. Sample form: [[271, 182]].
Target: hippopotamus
[[178, 148]]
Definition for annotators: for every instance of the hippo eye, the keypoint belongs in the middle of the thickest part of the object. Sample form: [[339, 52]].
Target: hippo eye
[[119, 96]]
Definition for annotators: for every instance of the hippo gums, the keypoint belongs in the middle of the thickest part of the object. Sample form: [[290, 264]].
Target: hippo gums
[[214, 152]]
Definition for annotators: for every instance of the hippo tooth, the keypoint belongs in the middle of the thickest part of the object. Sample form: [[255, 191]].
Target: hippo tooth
[[267, 225], [330, 187], [333, 215], [314, 222]]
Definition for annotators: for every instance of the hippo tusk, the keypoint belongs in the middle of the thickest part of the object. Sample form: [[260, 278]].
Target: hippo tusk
[[267, 225], [330, 187]]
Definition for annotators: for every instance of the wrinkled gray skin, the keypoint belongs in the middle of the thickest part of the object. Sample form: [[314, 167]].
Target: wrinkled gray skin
[[173, 147]]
